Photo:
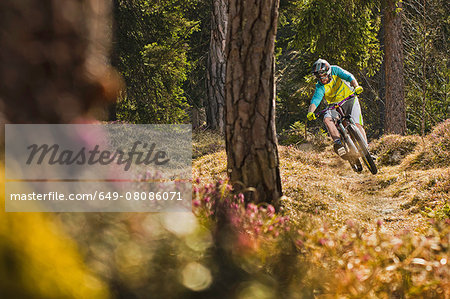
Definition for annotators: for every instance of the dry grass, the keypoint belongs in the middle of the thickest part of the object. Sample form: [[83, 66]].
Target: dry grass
[[354, 235], [320, 184], [206, 142], [434, 152], [392, 149]]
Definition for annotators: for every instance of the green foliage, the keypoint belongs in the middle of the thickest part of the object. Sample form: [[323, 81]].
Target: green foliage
[[299, 134], [427, 75], [295, 134], [150, 50], [343, 32], [194, 86]]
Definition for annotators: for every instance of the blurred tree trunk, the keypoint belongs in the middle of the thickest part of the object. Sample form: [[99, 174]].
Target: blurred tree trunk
[[217, 66], [395, 120], [53, 70], [251, 141]]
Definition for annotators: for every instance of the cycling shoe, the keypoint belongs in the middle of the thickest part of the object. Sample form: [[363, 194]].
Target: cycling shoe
[[339, 148]]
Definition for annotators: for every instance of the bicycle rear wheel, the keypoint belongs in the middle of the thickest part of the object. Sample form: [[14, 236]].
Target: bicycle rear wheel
[[362, 148]]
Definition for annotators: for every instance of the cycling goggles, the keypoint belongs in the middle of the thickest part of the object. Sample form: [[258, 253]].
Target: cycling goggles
[[321, 75]]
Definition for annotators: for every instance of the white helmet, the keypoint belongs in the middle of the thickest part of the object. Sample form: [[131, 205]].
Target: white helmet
[[321, 67]]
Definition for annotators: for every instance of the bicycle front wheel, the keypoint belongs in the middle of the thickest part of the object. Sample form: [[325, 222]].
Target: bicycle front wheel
[[362, 148]]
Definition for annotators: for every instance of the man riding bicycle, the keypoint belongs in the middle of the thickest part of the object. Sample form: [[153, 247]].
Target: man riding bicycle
[[335, 84]]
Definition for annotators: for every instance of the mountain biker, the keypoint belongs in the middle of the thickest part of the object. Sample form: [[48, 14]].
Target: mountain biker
[[335, 84]]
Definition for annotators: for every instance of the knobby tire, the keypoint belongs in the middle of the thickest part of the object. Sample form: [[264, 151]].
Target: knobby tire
[[362, 148], [351, 150]]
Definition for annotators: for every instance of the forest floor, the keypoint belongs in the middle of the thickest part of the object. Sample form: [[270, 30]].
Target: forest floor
[[343, 195], [321, 184]]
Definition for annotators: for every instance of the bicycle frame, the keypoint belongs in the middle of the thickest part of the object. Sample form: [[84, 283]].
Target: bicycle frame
[[352, 139], [342, 123]]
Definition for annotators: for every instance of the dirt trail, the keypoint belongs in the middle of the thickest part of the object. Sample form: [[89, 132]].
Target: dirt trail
[[375, 202], [321, 181]]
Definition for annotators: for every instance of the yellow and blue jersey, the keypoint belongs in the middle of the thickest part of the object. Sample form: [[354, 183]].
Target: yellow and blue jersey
[[336, 90]]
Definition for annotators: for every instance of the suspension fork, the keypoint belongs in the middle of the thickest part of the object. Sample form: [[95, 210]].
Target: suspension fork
[[347, 139]]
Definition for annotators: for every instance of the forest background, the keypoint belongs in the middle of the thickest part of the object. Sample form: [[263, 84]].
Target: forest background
[[163, 52]]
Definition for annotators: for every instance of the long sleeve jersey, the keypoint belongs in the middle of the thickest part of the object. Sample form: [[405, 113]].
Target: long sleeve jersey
[[336, 90]]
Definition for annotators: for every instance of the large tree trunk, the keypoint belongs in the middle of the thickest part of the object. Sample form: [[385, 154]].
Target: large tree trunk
[[217, 66], [251, 141], [393, 48]]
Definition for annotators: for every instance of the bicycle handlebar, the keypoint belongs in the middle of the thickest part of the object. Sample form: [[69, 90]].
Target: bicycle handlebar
[[335, 105]]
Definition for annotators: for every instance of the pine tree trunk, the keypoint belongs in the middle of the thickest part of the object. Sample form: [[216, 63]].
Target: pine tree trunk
[[395, 120], [251, 140], [195, 117], [215, 82]]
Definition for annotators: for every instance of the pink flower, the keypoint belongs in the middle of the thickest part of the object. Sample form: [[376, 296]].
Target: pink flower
[[207, 199], [253, 208], [241, 198], [365, 258], [196, 203], [270, 210], [322, 241]]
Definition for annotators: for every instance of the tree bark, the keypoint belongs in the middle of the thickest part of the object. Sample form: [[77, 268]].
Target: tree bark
[[395, 120], [251, 141], [215, 81]]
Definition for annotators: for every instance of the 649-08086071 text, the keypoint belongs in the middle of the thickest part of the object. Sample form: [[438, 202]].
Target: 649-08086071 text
[[99, 195]]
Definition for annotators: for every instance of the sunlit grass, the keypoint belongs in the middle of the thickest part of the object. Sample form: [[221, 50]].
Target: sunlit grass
[[359, 235]]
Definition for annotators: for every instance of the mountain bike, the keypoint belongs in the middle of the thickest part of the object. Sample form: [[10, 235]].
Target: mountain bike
[[351, 137]]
